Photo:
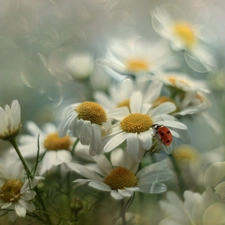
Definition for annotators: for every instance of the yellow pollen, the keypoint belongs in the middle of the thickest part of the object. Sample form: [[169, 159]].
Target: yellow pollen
[[137, 65], [174, 81], [10, 191], [124, 103], [136, 123], [185, 153], [120, 178], [54, 142], [91, 111], [185, 32]]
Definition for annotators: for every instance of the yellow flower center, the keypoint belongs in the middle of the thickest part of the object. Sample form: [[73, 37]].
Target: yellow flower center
[[54, 142], [137, 65], [10, 191], [185, 153], [120, 178], [91, 111], [136, 123], [185, 32], [174, 81], [124, 103]]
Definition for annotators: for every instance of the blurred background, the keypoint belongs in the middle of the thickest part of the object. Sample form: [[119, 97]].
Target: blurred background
[[37, 37]]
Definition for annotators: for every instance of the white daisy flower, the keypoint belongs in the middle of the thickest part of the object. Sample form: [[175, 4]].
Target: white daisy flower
[[183, 36], [135, 59], [56, 150], [16, 192], [119, 94], [10, 122], [80, 66], [87, 121], [196, 208], [121, 177], [190, 94], [137, 126]]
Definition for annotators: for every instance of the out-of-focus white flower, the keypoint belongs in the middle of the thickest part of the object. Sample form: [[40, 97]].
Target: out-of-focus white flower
[[183, 36], [80, 66], [194, 210], [136, 126], [87, 121], [10, 122], [56, 150], [121, 177], [15, 191], [189, 93], [119, 94], [214, 176], [136, 59]]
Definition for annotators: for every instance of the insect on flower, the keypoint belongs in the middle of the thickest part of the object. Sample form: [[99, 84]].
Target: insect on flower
[[163, 134]]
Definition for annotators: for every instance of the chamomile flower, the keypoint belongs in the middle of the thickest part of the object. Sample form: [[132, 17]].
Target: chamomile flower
[[10, 122], [87, 121], [56, 150], [136, 126], [135, 59], [183, 35], [80, 66], [16, 191], [190, 94], [121, 177]]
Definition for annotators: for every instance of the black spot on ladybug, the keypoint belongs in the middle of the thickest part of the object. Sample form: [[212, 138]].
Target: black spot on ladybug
[[168, 141], [168, 132]]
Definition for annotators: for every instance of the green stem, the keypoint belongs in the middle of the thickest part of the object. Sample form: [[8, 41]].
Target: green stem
[[122, 213], [14, 144], [30, 176], [179, 174], [74, 146]]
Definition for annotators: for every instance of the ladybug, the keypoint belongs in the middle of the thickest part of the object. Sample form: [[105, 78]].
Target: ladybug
[[163, 134]]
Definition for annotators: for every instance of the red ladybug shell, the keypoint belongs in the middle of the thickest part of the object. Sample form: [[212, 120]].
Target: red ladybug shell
[[164, 134]]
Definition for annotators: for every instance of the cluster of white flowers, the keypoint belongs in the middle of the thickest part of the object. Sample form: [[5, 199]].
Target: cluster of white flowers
[[131, 138]]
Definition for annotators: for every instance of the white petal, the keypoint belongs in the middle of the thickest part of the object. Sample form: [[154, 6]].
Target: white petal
[[125, 193], [153, 91], [84, 171], [33, 128], [136, 102], [47, 162], [133, 146], [64, 155], [214, 174], [174, 124], [20, 210], [86, 133], [119, 113], [163, 108], [115, 141], [103, 163], [100, 186], [146, 139], [96, 147], [6, 205], [155, 188], [116, 195], [29, 206], [28, 195]]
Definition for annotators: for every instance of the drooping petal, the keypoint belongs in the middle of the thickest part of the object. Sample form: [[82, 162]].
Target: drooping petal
[[116, 195], [20, 210], [99, 185]]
